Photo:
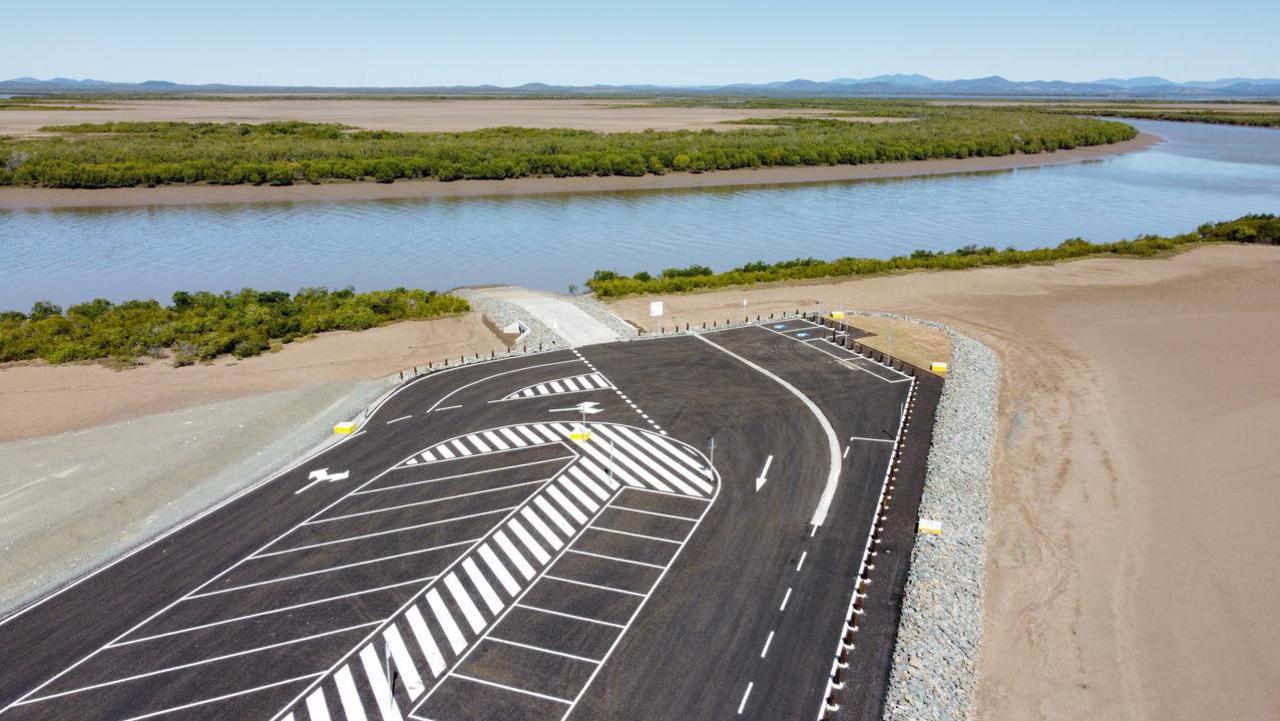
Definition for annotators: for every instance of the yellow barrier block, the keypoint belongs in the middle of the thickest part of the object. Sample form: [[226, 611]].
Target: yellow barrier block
[[837, 315], [931, 526], [580, 436], [937, 367], [345, 428]]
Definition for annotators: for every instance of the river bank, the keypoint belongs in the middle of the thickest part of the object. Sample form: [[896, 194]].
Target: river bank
[[50, 198]]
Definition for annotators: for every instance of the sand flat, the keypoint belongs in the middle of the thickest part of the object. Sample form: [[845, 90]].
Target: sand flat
[[43, 400], [450, 115], [1131, 572]]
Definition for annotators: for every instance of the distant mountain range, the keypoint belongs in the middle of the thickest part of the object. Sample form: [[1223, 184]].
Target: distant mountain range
[[880, 85]]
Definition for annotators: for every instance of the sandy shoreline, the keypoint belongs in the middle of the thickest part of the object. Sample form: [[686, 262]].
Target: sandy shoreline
[[49, 198]]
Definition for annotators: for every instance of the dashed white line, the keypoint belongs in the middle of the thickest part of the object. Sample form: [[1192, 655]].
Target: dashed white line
[[764, 651], [446, 408], [745, 695], [800, 565], [785, 598], [401, 418]]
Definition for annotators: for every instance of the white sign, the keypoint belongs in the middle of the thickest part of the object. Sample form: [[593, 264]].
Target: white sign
[[655, 309]]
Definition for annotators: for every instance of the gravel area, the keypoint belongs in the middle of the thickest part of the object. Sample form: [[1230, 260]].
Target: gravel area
[[502, 314], [935, 660], [600, 312]]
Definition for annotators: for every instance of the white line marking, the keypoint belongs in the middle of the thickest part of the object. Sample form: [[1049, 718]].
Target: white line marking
[[349, 696], [495, 639], [876, 440], [455, 391], [226, 696], [534, 547], [565, 527], [592, 585], [540, 609], [282, 609], [401, 418], [846, 452], [426, 502], [541, 527], [317, 706], [418, 625], [443, 408], [785, 598], [460, 596], [389, 531], [802, 557], [379, 685], [678, 517], [637, 535], [514, 554], [760, 479], [833, 444], [405, 666], [504, 576], [615, 558], [563, 501], [191, 664], [764, 651], [746, 694], [452, 633], [487, 594], [495, 684], [380, 489], [331, 569]]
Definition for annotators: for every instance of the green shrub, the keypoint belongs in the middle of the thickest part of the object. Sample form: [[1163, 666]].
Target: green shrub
[[123, 154], [202, 326], [1257, 229]]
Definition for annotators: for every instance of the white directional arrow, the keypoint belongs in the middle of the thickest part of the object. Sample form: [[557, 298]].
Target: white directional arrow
[[761, 479], [584, 408], [322, 475]]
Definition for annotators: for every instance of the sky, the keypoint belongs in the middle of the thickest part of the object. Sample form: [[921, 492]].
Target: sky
[[689, 42]]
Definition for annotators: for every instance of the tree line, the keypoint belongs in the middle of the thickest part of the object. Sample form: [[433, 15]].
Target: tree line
[[202, 326], [106, 155], [1259, 229]]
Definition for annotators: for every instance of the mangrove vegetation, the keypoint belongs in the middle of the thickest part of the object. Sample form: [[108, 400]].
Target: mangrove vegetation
[[126, 154], [1255, 229], [202, 326]]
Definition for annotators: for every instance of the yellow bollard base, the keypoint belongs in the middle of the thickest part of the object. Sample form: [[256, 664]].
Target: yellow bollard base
[[345, 428], [928, 525]]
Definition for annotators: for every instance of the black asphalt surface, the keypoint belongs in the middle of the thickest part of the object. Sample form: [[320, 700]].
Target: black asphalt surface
[[500, 569]]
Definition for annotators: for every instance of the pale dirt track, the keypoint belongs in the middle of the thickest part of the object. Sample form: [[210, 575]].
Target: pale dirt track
[[1131, 568], [406, 115]]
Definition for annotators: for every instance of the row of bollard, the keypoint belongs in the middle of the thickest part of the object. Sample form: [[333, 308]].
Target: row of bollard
[[462, 360], [840, 665]]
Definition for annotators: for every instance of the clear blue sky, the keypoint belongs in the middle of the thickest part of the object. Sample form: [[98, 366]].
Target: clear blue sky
[[405, 42]]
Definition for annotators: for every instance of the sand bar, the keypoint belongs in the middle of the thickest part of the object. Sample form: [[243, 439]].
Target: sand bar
[[18, 198], [1131, 572]]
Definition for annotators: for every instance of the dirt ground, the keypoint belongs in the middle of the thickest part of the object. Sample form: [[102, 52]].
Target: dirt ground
[[40, 400], [1131, 570], [406, 115]]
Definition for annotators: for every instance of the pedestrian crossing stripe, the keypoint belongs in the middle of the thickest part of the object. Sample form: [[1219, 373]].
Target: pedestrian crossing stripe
[[400, 663], [560, 386]]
